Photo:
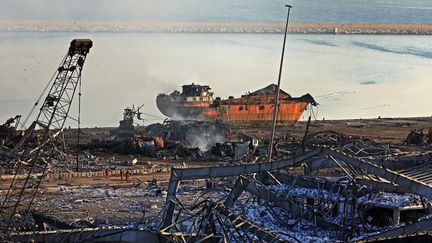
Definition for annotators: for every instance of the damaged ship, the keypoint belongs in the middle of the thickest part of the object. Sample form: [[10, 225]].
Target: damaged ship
[[196, 102]]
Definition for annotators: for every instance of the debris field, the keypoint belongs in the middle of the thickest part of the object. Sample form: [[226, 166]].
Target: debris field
[[353, 180]]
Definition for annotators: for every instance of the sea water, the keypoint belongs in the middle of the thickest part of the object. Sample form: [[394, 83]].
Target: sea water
[[309, 11], [352, 76]]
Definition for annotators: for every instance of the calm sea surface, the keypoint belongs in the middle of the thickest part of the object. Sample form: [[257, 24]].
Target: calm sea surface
[[319, 11], [379, 75]]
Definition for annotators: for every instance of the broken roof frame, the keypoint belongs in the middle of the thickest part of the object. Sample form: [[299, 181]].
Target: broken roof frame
[[396, 181]]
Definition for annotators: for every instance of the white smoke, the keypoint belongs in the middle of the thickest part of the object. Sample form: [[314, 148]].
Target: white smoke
[[205, 136]]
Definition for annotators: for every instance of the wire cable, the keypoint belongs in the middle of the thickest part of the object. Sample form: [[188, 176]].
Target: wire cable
[[79, 123], [41, 95]]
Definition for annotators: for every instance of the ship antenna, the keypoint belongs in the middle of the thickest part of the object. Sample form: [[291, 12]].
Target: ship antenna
[[276, 105]]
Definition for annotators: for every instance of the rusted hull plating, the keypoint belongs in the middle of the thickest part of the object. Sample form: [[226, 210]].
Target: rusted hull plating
[[288, 112], [183, 110], [233, 111]]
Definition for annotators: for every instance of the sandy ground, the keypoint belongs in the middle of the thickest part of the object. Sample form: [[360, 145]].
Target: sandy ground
[[385, 130]]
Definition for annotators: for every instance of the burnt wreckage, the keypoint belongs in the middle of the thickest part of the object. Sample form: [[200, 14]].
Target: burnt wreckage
[[267, 203], [32, 162], [318, 195], [196, 102]]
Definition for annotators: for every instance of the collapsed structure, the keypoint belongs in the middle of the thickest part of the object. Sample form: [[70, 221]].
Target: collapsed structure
[[363, 200], [330, 187]]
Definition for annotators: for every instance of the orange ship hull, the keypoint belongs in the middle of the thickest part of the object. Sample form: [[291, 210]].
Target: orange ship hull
[[287, 113], [256, 107], [261, 110]]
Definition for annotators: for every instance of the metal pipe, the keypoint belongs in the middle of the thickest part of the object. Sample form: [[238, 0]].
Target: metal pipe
[[276, 105]]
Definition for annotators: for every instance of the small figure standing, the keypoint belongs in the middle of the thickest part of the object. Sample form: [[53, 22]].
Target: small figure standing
[[230, 133], [121, 175], [106, 172], [127, 175]]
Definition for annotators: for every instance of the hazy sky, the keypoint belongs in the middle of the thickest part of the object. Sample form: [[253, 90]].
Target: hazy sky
[[347, 11]]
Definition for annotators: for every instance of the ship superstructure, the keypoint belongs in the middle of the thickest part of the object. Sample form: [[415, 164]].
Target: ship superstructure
[[196, 102]]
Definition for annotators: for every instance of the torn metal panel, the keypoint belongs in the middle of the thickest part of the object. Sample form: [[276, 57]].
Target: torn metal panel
[[292, 205], [89, 235], [406, 182], [214, 172], [289, 204], [311, 182], [424, 225], [366, 172], [235, 193], [381, 184], [236, 170], [52, 222], [240, 221]]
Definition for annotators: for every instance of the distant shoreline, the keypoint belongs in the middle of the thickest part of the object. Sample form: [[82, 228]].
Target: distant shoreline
[[199, 27]]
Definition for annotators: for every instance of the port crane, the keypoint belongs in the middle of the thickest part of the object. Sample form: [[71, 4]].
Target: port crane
[[33, 157], [128, 117]]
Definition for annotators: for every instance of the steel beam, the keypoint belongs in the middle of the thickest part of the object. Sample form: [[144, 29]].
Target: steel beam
[[406, 183], [235, 193], [403, 182], [268, 195], [236, 170], [418, 227], [178, 175], [262, 233]]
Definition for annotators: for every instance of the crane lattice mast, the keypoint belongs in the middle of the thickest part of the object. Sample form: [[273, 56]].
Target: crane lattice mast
[[31, 164]]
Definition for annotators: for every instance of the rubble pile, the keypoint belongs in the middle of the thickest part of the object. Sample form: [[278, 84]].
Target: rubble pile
[[174, 140], [8, 132], [268, 203], [353, 145], [322, 186], [418, 137]]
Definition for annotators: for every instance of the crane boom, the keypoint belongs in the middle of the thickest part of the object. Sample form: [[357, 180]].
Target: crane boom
[[32, 163]]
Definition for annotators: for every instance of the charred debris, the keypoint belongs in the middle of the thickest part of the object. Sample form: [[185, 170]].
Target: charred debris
[[322, 185], [171, 140]]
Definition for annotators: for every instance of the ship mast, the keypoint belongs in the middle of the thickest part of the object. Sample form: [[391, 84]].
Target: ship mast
[[276, 105]]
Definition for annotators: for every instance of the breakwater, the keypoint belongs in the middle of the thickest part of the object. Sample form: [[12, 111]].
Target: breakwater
[[375, 29], [222, 27]]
